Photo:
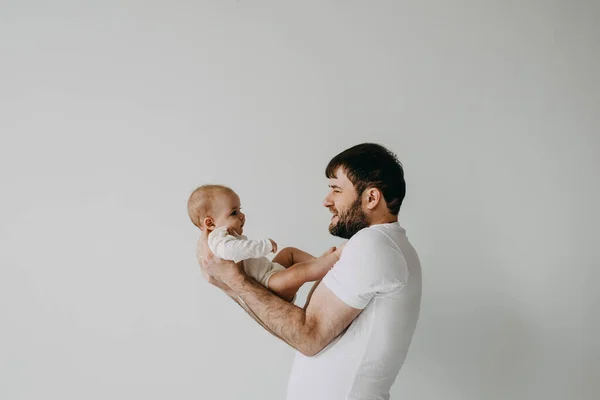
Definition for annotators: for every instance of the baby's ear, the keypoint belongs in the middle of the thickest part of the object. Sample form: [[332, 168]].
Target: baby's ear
[[209, 223]]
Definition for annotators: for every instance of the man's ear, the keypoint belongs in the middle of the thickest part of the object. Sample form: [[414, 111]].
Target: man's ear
[[209, 223], [372, 198]]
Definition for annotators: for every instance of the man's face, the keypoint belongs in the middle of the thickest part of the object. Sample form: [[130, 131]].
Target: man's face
[[346, 206]]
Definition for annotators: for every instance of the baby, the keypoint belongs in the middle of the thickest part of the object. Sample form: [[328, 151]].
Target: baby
[[217, 209]]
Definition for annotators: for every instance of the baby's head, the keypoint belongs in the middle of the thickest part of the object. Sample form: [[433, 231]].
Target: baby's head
[[214, 206]]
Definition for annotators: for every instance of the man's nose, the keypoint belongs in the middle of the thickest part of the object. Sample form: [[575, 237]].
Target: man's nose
[[327, 201]]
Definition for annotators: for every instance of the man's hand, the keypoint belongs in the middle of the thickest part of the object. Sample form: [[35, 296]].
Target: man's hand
[[215, 270], [274, 245]]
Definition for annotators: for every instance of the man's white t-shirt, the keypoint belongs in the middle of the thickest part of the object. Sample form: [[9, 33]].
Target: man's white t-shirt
[[379, 272]]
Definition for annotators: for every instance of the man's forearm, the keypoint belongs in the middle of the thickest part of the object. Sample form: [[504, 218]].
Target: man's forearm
[[284, 319], [242, 304]]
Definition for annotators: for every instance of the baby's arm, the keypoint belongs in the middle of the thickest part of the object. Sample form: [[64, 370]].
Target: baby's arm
[[287, 282], [237, 248]]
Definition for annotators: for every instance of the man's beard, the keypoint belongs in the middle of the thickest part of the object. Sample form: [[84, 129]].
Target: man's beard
[[350, 221]]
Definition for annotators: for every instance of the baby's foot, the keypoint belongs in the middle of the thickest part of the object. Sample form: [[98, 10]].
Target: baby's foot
[[339, 250], [329, 251]]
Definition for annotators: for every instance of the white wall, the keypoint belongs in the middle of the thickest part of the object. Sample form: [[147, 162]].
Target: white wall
[[111, 112]]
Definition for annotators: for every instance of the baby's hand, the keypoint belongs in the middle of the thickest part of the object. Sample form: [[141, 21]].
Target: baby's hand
[[231, 231], [274, 245], [340, 249]]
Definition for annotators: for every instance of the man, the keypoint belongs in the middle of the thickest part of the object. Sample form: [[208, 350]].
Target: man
[[353, 334]]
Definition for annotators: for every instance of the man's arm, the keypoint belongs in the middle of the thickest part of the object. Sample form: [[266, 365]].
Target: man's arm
[[240, 302], [310, 293], [307, 330], [201, 246]]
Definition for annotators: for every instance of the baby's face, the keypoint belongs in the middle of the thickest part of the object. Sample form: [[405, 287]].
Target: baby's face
[[229, 212]]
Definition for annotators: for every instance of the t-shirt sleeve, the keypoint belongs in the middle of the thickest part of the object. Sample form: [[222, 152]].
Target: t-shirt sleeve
[[371, 263]]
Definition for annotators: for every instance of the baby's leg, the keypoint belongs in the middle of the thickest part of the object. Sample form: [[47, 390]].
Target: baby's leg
[[287, 282], [291, 255]]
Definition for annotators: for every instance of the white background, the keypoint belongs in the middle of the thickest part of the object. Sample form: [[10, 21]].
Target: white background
[[112, 112]]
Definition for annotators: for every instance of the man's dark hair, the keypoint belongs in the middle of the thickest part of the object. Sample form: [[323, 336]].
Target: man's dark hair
[[370, 165]]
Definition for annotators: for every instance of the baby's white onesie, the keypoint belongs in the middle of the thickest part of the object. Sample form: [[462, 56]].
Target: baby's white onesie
[[251, 252]]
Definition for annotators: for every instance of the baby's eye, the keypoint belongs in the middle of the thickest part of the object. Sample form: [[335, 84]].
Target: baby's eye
[[234, 213]]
